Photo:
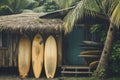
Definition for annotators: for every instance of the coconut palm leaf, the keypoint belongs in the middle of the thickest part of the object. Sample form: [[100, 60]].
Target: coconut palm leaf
[[19, 5], [65, 3], [16, 6], [5, 10], [5, 7], [115, 16], [83, 8], [6, 2]]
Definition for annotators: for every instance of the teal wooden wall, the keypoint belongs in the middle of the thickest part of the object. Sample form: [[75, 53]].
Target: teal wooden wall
[[72, 46]]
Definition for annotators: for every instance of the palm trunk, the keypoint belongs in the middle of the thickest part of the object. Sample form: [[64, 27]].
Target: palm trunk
[[103, 63]]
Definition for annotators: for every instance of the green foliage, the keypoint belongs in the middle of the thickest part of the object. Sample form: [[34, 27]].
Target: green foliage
[[39, 9], [100, 30], [99, 74], [19, 5], [26, 6], [65, 3], [5, 10], [47, 6], [50, 6], [27, 11], [115, 16], [84, 8], [115, 58], [16, 6], [95, 28]]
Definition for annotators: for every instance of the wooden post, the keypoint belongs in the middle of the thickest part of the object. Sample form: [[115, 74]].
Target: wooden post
[[59, 44], [6, 57], [10, 50], [15, 49]]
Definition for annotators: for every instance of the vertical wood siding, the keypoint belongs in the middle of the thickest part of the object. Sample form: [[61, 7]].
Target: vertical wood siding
[[8, 55]]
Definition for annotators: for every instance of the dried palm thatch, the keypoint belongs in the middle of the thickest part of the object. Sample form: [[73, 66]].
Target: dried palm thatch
[[29, 22]]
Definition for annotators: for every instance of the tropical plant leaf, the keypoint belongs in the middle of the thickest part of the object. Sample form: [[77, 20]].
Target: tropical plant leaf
[[5, 10], [112, 8], [6, 2], [115, 17], [27, 11], [39, 9], [65, 3], [84, 8], [18, 5]]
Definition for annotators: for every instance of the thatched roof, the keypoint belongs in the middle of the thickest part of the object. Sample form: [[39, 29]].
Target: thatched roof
[[31, 22]]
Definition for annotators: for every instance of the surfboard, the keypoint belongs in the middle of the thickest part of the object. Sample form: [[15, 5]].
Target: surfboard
[[92, 42], [50, 57], [91, 52], [24, 56], [94, 64], [37, 55]]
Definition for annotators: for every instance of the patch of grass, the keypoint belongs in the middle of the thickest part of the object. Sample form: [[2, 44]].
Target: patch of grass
[[77, 79], [118, 78], [90, 78]]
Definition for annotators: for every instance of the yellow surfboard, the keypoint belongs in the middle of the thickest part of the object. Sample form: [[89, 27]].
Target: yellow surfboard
[[50, 57], [37, 55], [94, 64], [91, 52], [24, 56]]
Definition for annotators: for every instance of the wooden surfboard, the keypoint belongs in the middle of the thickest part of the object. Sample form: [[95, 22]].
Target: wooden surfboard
[[37, 55], [24, 56], [91, 52], [94, 64], [92, 42], [50, 57]]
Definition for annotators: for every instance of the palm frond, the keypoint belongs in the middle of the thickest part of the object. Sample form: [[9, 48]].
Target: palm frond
[[19, 5], [112, 8], [93, 5], [115, 17], [83, 8], [6, 2], [65, 3], [5, 10]]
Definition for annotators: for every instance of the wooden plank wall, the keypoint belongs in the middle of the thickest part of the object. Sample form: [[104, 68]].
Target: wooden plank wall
[[8, 55], [3, 52]]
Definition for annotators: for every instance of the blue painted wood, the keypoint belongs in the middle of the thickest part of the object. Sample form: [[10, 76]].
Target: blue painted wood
[[73, 49]]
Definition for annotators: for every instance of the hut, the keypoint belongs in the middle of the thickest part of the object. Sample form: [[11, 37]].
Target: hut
[[13, 26]]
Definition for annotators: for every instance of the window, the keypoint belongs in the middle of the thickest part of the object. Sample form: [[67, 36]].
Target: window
[[3, 39]]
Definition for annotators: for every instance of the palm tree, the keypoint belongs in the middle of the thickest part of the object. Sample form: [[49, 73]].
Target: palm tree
[[109, 8]]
